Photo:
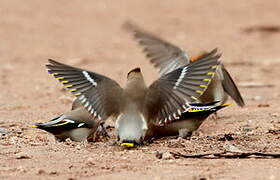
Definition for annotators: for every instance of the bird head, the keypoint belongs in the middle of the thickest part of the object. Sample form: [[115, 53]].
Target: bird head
[[134, 73]]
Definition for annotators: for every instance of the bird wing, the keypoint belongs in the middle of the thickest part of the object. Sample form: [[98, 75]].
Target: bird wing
[[231, 88], [100, 95], [199, 110], [162, 54], [170, 95], [62, 122]]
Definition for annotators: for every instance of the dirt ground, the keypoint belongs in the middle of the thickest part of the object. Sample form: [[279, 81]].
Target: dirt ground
[[88, 34]]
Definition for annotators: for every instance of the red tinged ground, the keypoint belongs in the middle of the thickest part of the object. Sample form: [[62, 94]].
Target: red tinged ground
[[88, 34]]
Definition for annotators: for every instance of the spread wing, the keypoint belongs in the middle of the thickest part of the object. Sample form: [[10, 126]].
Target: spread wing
[[170, 95], [200, 110], [162, 54], [230, 88], [98, 94]]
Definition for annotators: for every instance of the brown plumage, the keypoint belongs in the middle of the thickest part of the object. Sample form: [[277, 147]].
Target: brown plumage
[[136, 106]]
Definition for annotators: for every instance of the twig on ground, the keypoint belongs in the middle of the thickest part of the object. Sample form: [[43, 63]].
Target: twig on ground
[[227, 155]]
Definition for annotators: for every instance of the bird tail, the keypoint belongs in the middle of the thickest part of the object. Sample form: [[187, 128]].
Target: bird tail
[[231, 88]]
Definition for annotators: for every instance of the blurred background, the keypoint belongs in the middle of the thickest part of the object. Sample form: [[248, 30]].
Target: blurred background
[[89, 34]]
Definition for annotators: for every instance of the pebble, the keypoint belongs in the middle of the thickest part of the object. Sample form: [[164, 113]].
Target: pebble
[[159, 155], [78, 147], [22, 155], [263, 105], [167, 155], [41, 171], [275, 114], [231, 148], [3, 131], [91, 161], [257, 98], [53, 173]]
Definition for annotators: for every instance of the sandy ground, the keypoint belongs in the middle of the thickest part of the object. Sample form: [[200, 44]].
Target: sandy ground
[[88, 34]]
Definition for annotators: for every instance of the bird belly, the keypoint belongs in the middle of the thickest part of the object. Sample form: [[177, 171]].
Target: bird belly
[[131, 127], [79, 134], [173, 128]]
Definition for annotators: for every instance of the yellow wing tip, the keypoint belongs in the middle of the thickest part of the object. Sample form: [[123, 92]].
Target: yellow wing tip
[[128, 145], [195, 110], [214, 67], [199, 92], [211, 73], [33, 126], [203, 86], [225, 105], [63, 82]]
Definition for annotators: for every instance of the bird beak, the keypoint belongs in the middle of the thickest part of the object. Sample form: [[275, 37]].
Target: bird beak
[[33, 126], [128, 145]]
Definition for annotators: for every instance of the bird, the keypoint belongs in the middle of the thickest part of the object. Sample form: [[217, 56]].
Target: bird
[[189, 121], [76, 124], [167, 57], [136, 106]]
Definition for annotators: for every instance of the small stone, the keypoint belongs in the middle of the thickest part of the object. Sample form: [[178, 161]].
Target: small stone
[[263, 105], [22, 155], [257, 98], [274, 131], [21, 169], [231, 148], [275, 114], [41, 171], [4, 131], [226, 137], [53, 173], [167, 155], [159, 155], [78, 147], [91, 161]]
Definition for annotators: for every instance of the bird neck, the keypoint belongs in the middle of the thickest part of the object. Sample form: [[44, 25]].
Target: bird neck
[[135, 84], [135, 91]]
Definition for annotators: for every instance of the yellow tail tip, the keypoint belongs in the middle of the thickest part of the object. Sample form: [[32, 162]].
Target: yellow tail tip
[[127, 145], [33, 126]]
